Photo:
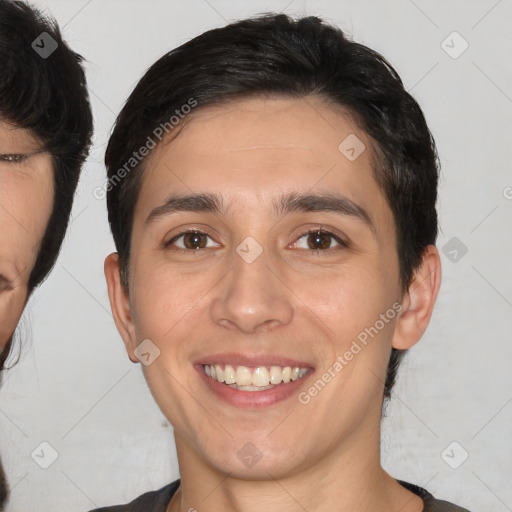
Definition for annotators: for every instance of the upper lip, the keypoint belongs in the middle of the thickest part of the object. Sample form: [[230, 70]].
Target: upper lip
[[252, 360]]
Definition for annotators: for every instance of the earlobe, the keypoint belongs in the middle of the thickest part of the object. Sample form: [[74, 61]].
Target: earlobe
[[418, 302], [120, 304]]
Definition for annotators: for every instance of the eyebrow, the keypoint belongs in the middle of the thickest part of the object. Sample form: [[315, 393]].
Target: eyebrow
[[285, 204]]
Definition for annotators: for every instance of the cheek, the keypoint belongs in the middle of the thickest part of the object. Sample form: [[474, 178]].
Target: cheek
[[357, 306], [25, 208], [26, 199], [348, 300], [11, 307], [163, 299]]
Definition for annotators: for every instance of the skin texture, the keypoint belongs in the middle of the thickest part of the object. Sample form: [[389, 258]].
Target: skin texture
[[26, 198], [293, 301]]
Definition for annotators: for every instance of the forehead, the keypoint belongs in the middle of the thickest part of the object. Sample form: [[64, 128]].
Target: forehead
[[253, 150], [275, 127]]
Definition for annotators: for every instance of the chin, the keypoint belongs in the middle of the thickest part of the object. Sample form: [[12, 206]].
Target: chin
[[260, 459]]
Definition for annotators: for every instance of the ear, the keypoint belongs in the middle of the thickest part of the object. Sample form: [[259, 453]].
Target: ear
[[418, 302], [120, 304]]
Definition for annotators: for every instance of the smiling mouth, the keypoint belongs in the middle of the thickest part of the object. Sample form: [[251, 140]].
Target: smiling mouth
[[257, 378]]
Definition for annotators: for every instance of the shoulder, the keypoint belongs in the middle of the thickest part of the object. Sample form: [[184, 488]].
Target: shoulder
[[431, 504], [154, 501]]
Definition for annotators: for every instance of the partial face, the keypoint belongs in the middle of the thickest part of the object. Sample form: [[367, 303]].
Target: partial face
[[269, 291], [26, 199]]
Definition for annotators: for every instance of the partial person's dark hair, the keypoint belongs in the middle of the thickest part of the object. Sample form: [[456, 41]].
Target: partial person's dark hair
[[275, 55], [3, 487], [47, 96]]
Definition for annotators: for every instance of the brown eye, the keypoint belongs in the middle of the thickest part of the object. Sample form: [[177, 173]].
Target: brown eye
[[13, 158], [189, 241], [194, 240], [320, 241]]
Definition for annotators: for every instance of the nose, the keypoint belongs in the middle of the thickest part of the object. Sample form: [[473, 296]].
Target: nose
[[252, 297]]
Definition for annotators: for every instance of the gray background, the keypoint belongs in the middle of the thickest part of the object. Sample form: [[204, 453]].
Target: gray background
[[74, 387]]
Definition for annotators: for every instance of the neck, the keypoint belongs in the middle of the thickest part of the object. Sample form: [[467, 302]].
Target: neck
[[345, 479]]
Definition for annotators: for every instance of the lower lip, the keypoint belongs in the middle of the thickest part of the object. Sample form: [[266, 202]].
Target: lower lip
[[252, 399]]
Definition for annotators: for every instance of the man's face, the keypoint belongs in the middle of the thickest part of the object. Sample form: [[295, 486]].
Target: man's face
[[26, 198], [255, 289]]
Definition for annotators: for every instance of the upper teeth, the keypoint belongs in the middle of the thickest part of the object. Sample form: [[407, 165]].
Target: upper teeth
[[259, 376]]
